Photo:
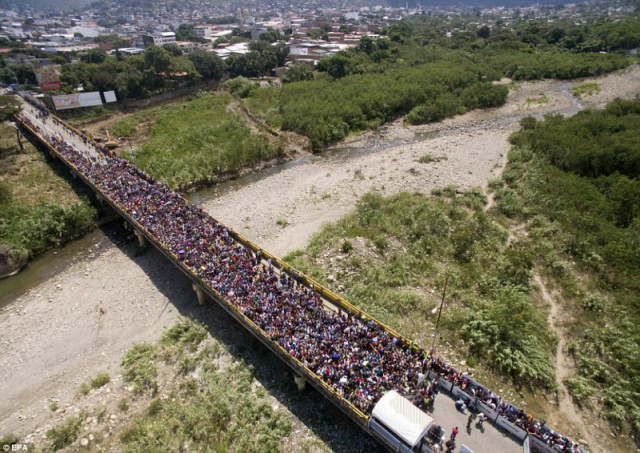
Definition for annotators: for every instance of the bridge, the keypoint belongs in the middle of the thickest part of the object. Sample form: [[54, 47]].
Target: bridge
[[349, 357]]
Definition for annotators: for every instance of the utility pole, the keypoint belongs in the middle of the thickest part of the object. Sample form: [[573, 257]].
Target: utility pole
[[432, 351]]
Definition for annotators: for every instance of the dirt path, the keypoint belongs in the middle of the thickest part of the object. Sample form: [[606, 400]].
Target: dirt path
[[49, 337], [565, 368]]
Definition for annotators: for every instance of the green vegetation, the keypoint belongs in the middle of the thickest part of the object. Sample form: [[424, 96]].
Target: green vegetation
[[327, 110], [428, 158], [53, 406], [123, 405], [216, 408], [100, 380], [84, 389], [586, 89], [140, 369], [415, 71], [64, 434], [540, 100], [575, 183], [194, 141], [411, 243], [38, 207], [124, 127], [572, 185], [8, 439]]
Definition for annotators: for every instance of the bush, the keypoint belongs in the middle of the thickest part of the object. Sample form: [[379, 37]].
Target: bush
[[346, 247], [100, 380], [240, 86], [123, 405], [140, 369], [586, 89], [84, 389], [8, 439], [65, 434]]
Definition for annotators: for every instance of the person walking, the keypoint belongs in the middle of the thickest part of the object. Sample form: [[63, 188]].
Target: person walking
[[454, 433], [472, 416]]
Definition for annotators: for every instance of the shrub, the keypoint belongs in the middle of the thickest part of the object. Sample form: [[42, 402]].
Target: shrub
[[586, 89], [65, 434], [85, 389], [140, 369], [8, 439], [346, 247], [100, 380]]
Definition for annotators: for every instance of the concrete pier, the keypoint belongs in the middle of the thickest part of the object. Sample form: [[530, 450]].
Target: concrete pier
[[300, 381]]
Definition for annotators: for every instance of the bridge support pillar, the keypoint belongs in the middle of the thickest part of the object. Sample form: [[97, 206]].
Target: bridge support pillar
[[202, 296], [142, 241], [300, 381]]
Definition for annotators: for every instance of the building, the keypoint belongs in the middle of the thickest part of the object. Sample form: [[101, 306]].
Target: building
[[159, 39]]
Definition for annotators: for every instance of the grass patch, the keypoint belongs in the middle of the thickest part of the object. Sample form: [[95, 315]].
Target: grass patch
[[53, 406], [123, 405], [218, 410], [65, 434], [38, 207], [282, 222], [543, 99], [140, 369], [100, 380], [428, 158], [194, 141], [84, 389], [124, 127], [586, 89]]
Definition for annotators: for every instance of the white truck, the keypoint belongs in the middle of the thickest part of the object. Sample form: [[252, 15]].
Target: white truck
[[402, 427]]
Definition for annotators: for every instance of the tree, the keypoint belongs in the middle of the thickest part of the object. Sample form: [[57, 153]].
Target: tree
[[209, 65], [129, 84], [366, 45], [173, 49], [9, 106], [94, 56], [297, 73], [186, 32], [483, 32], [157, 58]]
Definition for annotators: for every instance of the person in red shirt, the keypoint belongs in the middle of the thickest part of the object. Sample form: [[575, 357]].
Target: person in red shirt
[[454, 433]]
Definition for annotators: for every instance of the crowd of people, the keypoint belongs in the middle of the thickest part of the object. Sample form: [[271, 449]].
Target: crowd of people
[[355, 356]]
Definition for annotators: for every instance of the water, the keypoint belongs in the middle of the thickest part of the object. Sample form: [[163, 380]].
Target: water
[[53, 262]]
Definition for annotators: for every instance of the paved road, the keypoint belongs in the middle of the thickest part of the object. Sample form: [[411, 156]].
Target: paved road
[[52, 129], [490, 439]]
